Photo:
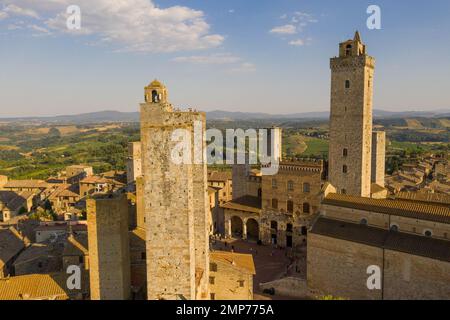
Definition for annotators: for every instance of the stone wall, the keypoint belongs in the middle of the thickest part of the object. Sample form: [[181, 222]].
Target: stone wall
[[225, 284], [410, 277], [109, 255], [339, 268]]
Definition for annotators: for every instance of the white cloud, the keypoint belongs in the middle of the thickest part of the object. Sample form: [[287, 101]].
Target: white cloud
[[131, 25], [286, 29], [40, 30], [231, 11], [297, 43], [3, 15], [298, 22], [15, 10], [220, 58]]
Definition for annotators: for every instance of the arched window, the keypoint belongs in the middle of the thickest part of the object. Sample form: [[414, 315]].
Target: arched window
[[347, 84], [275, 203], [306, 208], [289, 227], [155, 96], [306, 187], [348, 50], [344, 169], [364, 222], [290, 185], [345, 152], [394, 228], [290, 206]]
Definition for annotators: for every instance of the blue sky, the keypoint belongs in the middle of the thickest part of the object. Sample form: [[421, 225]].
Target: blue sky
[[247, 55]]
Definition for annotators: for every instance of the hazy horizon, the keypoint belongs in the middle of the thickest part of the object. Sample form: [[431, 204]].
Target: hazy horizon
[[269, 57]]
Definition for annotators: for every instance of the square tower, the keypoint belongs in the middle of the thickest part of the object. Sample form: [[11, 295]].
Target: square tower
[[134, 161], [109, 247], [175, 200], [378, 157], [350, 150]]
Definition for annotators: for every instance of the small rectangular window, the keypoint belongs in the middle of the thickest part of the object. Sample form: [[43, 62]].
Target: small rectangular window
[[211, 280], [241, 283], [213, 296]]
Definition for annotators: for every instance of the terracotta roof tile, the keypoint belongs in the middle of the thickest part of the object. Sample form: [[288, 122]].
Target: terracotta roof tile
[[238, 260], [246, 203], [37, 287], [415, 210]]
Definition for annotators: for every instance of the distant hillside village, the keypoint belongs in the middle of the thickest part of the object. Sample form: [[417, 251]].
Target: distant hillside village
[[162, 231]]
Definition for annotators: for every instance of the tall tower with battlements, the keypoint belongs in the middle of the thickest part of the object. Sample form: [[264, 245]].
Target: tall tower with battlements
[[175, 205], [350, 151]]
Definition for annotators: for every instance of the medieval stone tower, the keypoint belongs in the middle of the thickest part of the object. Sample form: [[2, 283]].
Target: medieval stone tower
[[351, 119], [175, 201], [109, 251]]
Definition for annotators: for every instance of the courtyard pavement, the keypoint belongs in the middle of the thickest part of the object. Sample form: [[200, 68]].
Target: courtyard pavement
[[271, 263]]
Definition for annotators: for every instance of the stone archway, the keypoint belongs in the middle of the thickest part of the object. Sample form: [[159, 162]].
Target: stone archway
[[237, 227], [252, 230]]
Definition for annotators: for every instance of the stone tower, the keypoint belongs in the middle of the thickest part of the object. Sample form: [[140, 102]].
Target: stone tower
[[109, 248], [378, 157], [175, 200], [134, 161], [351, 119]]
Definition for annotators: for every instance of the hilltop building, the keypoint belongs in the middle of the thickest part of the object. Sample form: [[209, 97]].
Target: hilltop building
[[406, 238]]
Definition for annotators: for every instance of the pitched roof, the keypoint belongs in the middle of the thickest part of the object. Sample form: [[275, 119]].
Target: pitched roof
[[432, 198], [11, 244], [34, 184], [76, 244], [381, 238], [237, 260], [14, 200], [415, 210], [101, 180], [245, 203], [38, 287], [222, 176]]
